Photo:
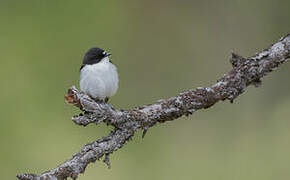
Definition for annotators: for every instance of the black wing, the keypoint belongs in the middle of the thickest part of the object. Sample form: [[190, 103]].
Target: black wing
[[82, 67]]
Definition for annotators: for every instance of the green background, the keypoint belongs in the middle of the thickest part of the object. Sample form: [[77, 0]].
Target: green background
[[161, 48]]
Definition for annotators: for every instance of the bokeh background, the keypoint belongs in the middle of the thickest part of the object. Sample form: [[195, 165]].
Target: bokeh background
[[161, 48]]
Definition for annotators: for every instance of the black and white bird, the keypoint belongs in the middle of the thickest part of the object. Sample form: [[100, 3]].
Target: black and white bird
[[98, 75]]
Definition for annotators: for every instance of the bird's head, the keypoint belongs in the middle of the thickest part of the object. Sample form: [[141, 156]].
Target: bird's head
[[95, 55]]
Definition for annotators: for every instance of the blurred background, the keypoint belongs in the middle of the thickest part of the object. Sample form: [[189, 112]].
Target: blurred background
[[161, 48]]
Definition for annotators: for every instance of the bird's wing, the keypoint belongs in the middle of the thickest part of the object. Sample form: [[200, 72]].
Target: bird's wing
[[82, 67]]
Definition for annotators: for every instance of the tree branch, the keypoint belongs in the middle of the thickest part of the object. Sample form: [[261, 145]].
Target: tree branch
[[245, 72]]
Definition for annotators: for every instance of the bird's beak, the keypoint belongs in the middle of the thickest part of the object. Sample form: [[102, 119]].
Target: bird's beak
[[108, 54]]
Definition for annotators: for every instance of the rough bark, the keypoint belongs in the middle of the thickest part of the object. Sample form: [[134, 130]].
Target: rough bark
[[245, 72]]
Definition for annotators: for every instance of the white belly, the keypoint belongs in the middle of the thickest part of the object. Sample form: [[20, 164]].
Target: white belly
[[99, 80]]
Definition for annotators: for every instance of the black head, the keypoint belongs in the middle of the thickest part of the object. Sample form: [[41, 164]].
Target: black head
[[95, 55]]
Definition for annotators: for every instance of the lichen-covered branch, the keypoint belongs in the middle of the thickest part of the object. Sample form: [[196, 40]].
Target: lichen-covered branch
[[245, 72]]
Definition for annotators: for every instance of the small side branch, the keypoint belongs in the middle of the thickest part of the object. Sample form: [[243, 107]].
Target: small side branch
[[245, 72]]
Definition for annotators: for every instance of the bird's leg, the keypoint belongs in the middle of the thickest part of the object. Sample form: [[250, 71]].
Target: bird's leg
[[100, 100]]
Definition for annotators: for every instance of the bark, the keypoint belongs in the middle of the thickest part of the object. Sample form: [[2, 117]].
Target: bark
[[245, 72]]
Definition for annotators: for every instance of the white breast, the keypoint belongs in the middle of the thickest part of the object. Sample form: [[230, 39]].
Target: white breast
[[99, 80]]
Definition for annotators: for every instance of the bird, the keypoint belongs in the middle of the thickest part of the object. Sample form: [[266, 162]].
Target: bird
[[98, 75]]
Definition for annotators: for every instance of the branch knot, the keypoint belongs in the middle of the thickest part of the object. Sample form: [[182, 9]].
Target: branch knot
[[237, 60]]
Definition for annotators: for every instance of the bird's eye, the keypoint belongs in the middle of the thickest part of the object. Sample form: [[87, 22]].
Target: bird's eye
[[104, 52]]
